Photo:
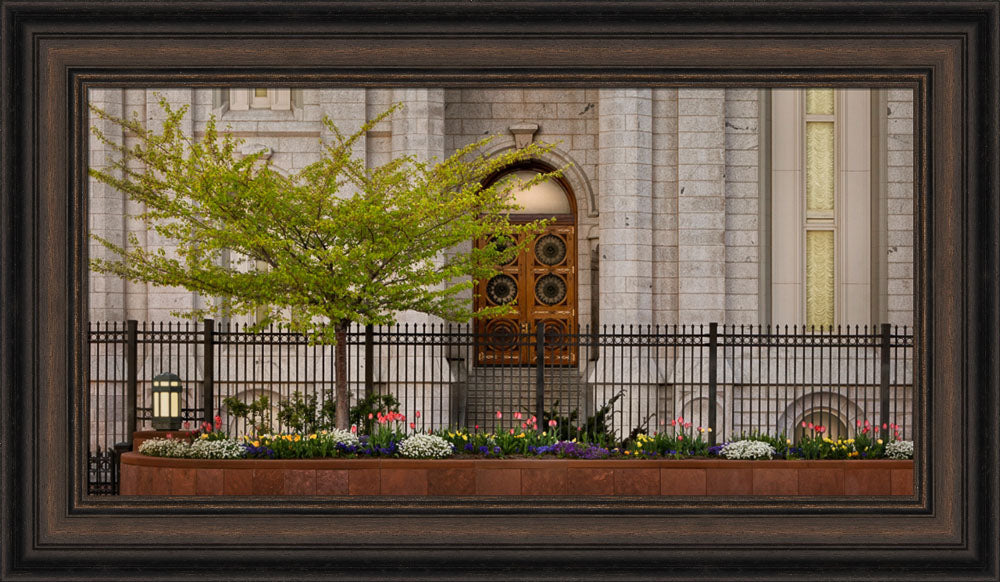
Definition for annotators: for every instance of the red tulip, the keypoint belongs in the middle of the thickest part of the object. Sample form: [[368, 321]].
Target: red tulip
[[417, 414], [413, 425], [354, 428]]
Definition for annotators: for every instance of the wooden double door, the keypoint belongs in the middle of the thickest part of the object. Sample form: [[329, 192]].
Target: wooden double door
[[541, 284]]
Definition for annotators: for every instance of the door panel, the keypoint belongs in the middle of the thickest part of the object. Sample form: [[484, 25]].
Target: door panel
[[542, 281]]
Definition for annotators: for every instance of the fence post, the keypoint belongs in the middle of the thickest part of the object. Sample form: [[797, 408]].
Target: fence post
[[131, 377], [369, 359], [208, 391], [884, 383], [540, 375], [713, 377]]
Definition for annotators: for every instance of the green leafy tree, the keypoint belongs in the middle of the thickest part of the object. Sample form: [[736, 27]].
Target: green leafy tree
[[334, 244]]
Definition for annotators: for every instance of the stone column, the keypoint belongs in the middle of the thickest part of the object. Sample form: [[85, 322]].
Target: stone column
[[626, 181], [107, 209], [701, 211]]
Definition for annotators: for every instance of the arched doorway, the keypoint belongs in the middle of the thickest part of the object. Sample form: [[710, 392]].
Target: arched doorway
[[540, 281]]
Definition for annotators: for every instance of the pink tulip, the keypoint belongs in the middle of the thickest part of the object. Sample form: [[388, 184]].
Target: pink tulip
[[417, 414], [820, 429], [866, 422], [811, 425], [687, 425], [517, 416], [511, 431], [680, 419], [170, 435], [370, 416], [187, 425], [803, 424], [499, 414], [354, 428], [413, 425], [884, 425], [680, 437], [552, 422], [857, 423], [673, 423]]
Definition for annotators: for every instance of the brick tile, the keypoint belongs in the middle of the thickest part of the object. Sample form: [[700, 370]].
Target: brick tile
[[127, 480], [902, 481], [498, 481], [729, 481], [590, 481], [867, 481], [237, 481], [144, 480], [363, 482], [300, 482], [683, 481], [162, 478], [637, 481], [548, 481], [460, 481], [331, 481], [404, 481], [771, 481], [268, 481], [183, 482], [821, 481], [208, 481]]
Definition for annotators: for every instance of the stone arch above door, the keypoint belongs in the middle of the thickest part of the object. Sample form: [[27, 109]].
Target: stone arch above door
[[541, 281]]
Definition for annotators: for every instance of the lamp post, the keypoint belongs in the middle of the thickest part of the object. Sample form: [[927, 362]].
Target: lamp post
[[167, 402]]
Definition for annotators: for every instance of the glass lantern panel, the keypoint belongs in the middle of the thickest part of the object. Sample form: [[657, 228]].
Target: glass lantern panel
[[175, 404]]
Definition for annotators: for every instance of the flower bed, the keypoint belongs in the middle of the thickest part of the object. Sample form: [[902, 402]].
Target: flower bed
[[146, 475]]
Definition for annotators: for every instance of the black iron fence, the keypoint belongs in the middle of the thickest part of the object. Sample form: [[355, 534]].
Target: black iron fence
[[734, 379]]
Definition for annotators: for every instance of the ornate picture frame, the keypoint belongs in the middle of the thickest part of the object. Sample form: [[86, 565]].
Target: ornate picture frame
[[53, 53]]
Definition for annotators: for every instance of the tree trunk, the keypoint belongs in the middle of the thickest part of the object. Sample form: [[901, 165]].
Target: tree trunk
[[343, 397]]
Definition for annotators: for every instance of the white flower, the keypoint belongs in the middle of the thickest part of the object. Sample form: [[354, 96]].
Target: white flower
[[164, 448], [747, 450], [899, 450], [227, 449], [200, 449], [425, 446], [344, 437]]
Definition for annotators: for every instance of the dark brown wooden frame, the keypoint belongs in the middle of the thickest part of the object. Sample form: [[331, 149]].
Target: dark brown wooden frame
[[52, 52]]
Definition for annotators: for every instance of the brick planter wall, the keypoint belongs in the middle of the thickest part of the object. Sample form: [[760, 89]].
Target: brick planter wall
[[142, 475]]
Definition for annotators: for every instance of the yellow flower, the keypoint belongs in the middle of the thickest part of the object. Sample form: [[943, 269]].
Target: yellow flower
[[627, 453], [879, 441], [850, 441], [312, 437], [204, 436], [256, 443], [788, 441], [465, 437]]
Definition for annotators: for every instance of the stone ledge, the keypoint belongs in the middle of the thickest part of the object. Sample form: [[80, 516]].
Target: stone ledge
[[143, 475]]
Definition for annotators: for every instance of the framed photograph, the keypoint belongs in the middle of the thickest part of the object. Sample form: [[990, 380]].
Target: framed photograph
[[870, 125]]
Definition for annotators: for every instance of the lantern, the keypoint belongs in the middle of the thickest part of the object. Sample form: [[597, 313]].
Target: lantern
[[167, 402]]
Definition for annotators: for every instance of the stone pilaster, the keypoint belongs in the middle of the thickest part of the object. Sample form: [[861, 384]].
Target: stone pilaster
[[701, 211], [626, 181]]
